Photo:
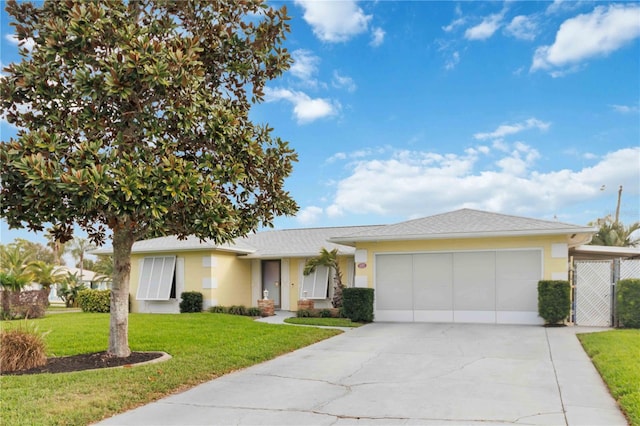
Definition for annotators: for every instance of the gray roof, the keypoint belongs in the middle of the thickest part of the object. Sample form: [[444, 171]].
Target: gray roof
[[464, 223], [172, 243], [300, 242], [262, 245], [305, 242]]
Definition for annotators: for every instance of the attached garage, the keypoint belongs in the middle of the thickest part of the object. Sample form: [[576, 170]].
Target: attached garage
[[491, 286]]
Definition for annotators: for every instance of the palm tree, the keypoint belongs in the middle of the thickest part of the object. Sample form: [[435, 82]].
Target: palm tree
[[612, 233], [330, 260], [78, 249], [46, 274], [59, 248]]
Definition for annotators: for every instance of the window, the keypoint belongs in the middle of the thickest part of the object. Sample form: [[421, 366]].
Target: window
[[316, 284], [157, 278]]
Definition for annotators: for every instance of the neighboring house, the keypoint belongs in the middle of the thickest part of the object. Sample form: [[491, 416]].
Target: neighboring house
[[462, 266], [87, 278]]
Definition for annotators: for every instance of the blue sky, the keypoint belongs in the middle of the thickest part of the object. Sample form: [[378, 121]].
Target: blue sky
[[401, 110]]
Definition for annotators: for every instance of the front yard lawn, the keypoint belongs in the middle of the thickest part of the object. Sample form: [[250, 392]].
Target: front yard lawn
[[616, 355], [203, 346]]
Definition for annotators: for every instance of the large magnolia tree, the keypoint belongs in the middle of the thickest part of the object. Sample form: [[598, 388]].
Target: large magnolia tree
[[134, 122]]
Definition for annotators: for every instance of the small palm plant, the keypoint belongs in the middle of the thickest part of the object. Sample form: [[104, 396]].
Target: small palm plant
[[330, 260]]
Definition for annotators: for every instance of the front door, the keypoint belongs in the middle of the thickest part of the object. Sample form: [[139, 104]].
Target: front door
[[271, 280]]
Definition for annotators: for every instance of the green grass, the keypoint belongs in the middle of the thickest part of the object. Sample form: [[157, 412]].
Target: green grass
[[327, 322], [203, 346], [616, 355]]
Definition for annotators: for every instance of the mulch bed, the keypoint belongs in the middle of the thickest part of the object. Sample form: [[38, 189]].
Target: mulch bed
[[92, 361]]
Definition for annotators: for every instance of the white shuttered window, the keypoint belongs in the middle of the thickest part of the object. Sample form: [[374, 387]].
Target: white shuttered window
[[316, 284], [157, 276]]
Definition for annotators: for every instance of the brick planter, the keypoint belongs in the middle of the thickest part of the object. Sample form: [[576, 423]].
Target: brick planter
[[305, 305], [267, 308]]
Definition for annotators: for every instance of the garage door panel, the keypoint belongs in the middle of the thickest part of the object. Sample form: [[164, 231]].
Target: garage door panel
[[433, 282], [517, 276], [474, 281], [393, 282]]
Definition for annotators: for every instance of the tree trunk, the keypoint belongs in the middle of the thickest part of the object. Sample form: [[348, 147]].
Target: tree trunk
[[123, 240]]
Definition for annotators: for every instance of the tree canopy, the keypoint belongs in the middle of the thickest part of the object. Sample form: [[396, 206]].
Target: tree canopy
[[612, 233], [133, 118]]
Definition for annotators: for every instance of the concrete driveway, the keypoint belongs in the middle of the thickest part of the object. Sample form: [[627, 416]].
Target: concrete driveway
[[405, 374]]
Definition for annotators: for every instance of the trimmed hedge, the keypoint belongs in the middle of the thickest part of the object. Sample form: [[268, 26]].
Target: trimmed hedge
[[94, 300], [554, 300], [191, 302], [357, 304], [628, 302]]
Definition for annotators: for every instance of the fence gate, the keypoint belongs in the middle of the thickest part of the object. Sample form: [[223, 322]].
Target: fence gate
[[629, 268], [593, 281]]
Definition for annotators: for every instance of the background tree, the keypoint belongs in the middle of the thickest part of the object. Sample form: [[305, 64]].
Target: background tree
[[14, 267], [79, 246], [46, 274], [134, 119], [58, 248], [103, 267], [33, 250], [330, 260], [615, 233]]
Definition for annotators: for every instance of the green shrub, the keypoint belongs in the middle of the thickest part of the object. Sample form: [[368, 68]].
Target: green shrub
[[238, 310], [254, 311], [304, 313], [554, 300], [94, 300], [357, 304], [628, 302], [191, 302], [22, 348], [325, 313]]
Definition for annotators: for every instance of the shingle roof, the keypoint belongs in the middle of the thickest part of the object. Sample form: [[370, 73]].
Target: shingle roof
[[172, 243], [300, 242], [464, 223], [266, 244]]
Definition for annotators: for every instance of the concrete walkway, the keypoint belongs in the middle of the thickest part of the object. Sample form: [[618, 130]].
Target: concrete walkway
[[405, 374]]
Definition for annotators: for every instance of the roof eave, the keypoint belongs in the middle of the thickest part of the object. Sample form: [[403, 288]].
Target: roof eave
[[176, 249], [463, 235]]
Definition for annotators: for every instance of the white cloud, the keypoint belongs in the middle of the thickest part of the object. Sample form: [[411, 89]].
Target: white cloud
[[343, 82], [377, 37], [510, 129], [563, 5], [13, 39], [625, 109], [416, 183], [334, 21], [305, 65], [309, 215], [522, 27], [305, 108], [595, 34], [452, 61], [454, 24], [486, 28]]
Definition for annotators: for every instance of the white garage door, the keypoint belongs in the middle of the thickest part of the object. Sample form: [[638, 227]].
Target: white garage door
[[479, 287]]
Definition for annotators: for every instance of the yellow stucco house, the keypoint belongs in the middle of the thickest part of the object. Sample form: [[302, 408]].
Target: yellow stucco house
[[462, 266]]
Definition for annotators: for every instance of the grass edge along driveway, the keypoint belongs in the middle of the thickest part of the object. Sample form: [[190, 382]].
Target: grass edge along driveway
[[616, 354], [203, 346]]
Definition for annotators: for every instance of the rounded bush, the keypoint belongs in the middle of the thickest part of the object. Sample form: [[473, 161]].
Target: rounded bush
[[554, 300], [628, 302], [94, 300], [218, 309], [357, 304], [191, 302]]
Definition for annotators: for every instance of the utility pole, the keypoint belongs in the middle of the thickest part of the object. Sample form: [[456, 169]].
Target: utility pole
[[618, 206]]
